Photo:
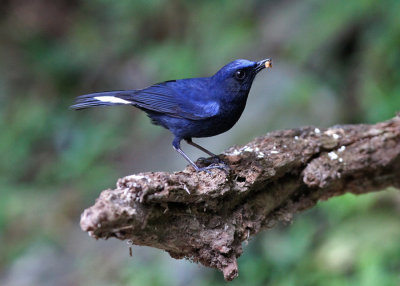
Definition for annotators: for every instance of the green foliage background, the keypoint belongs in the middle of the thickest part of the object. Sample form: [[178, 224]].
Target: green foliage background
[[334, 62]]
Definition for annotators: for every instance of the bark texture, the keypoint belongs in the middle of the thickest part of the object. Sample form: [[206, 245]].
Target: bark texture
[[206, 217]]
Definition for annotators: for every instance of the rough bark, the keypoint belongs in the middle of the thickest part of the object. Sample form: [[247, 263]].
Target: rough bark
[[206, 217]]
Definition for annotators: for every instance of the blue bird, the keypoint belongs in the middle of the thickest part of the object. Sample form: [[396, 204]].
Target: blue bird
[[190, 108]]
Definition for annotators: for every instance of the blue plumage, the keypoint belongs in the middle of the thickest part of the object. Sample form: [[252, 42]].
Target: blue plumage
[[196, 107]]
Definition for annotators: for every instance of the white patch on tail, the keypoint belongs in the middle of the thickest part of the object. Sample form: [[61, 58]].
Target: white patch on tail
[[112, 99]]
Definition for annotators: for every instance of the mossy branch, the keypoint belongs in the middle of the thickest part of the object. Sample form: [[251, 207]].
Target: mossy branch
[[206, 217]]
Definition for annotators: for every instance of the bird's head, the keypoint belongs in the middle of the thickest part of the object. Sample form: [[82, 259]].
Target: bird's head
[[237, 76]]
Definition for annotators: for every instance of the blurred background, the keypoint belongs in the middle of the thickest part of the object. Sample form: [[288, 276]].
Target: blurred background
[[335, 62]]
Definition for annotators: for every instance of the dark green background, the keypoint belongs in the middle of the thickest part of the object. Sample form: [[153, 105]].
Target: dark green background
[[335, 62]]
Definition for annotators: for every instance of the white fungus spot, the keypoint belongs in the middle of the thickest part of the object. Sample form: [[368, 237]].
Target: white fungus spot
[[234, 153], [247, 149], [274, 152], [137, 177], [186, 189], [317, 131], [331, 132], [332, 155], [340, 160], [256, 150], [341, 149], [296, 137]]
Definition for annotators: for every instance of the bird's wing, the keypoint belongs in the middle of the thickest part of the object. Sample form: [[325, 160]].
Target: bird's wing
[[175, 102]]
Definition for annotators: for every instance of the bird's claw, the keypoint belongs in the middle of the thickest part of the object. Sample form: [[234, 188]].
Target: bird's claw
[[222, 166], [210, 160], [212, 163]]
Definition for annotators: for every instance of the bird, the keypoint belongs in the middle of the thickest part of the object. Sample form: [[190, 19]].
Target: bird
[[192, 107]]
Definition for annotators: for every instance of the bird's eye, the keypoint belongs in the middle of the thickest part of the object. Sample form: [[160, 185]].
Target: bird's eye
[[240, 74]]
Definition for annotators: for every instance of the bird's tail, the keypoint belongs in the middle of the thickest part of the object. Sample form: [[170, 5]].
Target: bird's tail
[[103, 99]]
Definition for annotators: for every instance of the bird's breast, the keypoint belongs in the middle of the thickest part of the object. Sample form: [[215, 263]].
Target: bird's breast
[[226, 118], [230, 113]]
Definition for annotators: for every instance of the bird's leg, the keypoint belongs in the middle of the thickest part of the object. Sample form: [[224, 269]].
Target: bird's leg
[[177, 146], [214, 158], [190, 142]]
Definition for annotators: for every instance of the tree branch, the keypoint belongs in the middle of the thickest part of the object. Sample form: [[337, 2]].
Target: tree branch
[[206, 217]]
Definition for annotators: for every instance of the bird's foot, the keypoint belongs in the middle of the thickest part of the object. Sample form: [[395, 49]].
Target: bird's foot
[[222, 166], [206, 164], [211, 160]]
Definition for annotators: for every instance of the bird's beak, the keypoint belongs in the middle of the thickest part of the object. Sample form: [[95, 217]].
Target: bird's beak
[[267, 63]]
